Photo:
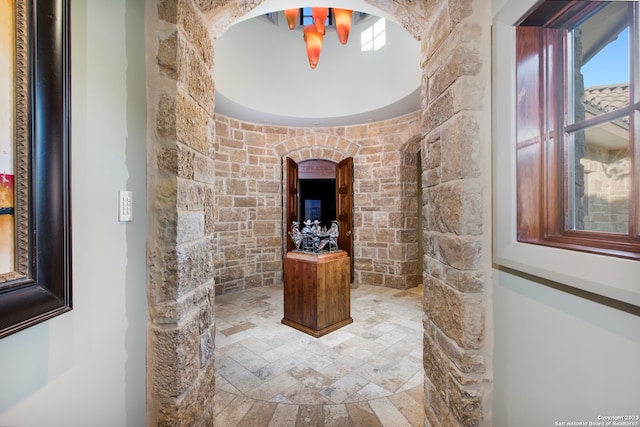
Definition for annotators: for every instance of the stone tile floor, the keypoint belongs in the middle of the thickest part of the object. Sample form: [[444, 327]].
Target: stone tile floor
[[368, 373]]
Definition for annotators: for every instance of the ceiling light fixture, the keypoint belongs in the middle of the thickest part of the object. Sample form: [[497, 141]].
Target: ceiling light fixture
[[313, 34]]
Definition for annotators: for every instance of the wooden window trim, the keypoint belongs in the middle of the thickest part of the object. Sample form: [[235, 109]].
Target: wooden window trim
[[540, 152]]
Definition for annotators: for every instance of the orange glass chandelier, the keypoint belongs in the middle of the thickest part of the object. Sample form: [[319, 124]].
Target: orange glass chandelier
[[292, 16], [313, 34], [313, 39], [319, 15], [342, 20]]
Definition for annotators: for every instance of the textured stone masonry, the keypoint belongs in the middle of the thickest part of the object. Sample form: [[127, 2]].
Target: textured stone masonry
[[215, 203], [249, 202]]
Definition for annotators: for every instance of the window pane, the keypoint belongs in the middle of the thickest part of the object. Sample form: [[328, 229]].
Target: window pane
[[600, 178], [600, 55]]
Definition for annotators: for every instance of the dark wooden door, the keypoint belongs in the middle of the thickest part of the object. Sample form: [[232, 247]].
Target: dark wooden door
[[344, 206], [292, 199]]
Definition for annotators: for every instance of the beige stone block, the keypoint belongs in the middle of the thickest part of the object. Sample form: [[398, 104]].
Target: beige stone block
[[186, 158], [430, 178], [231, 215], [193, 408], [385, 235], [194, 264], [207, 345], [271, 244], [230, 274], [206, 5], [167, 160], [395, 281], [236, 252], [437, 412], [170, 312], [269, 213], [464, 60], [190, 226], [254, 171], [459, 9], [396, 220], [455, 207], [166, 193], [244, 202], [204, 169], [167, 11], [236, 187], [381, 264], [356, 132], [190, 195], [462, 157], [264, 228], [167, 56], [463, 253], [439, 26], [192, 124], [255, 139], [229, 143], [176, 361], [465, 281], [374, 279], [166, 226], [363, 264], [199, 82], [166, 116], [269, 187], [466, 404], [197, 34], [466, 361], [459, 315], [273, 266], [436, 368]]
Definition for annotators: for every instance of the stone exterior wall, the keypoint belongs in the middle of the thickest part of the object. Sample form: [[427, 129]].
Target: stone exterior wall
[[187, 180], [607, 181], [250, 233]]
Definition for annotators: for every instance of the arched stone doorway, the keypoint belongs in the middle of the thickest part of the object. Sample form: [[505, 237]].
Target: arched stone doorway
[[182, 133]]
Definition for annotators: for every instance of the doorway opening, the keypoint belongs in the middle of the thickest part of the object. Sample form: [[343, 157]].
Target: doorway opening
[[317, 184], [323, 190]]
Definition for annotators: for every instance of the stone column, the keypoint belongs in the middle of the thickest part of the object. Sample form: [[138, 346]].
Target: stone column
[[181, 331], [456, 185]]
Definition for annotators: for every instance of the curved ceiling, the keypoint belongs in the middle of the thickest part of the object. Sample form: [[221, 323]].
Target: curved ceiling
[[262, 73]]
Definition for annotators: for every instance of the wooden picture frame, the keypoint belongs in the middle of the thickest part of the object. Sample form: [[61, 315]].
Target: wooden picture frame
[[40, 286]]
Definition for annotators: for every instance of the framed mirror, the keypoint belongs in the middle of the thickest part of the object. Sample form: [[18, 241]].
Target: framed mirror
[[35, 205]]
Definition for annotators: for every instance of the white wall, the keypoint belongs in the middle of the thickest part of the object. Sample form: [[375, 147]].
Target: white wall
[[272, 63], [560, 354], [87, 367]]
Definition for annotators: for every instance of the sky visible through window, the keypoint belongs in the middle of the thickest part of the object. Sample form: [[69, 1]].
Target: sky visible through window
[[610, 65]]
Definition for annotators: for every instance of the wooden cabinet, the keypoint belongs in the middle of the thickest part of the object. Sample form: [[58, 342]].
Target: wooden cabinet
[[317, 297]]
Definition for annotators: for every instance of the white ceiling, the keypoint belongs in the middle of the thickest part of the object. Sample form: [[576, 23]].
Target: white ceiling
[[262, 75]]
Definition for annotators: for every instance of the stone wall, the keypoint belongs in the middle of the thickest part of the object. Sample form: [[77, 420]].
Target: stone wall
[[187, 179], [250, 232], [607, 181]]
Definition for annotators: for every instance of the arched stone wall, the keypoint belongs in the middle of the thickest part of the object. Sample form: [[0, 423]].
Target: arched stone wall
[[250, 231], [183, 186], [317, 146]]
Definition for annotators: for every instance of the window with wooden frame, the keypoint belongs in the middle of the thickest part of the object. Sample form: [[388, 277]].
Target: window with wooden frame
[[578, 127]]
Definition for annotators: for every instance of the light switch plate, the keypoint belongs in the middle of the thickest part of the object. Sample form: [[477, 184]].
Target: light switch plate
[[125, 206]]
